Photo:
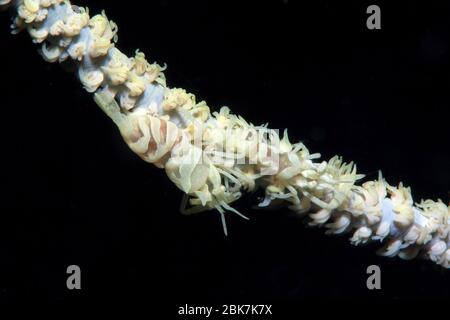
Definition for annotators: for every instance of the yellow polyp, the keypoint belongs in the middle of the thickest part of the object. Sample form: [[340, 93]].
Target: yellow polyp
[[26, 15], [51, 53], [57, 28], [178, 98], [405, 216], [100, 47], [201, 111], [140, 64], [46, 3], [31, 5], [135, 85], [91, 80], [75, 23], [117, 75], [98, 25], [38, 35]]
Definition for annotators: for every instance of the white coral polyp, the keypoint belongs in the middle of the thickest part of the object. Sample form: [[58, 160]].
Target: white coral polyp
[[213, 158]]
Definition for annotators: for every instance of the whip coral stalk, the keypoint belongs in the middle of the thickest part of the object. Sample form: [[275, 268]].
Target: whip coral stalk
[[215, 157]]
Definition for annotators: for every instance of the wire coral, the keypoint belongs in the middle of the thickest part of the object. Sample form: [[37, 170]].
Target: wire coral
[[215, 157]]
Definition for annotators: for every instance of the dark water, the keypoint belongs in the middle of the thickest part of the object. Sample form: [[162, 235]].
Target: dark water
[[72, 193]]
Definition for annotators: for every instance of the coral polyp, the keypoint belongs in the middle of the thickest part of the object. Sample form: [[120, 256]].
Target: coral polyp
[[215, 157]]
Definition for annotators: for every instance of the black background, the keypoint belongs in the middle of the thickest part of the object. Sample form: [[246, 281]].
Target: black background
[[72, 192]]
